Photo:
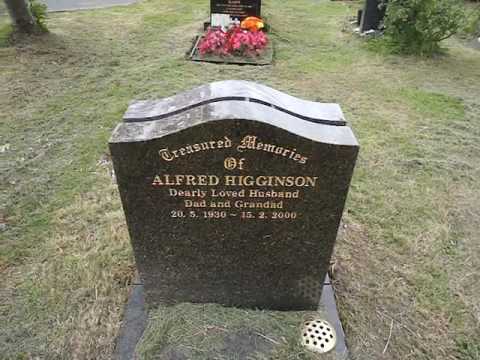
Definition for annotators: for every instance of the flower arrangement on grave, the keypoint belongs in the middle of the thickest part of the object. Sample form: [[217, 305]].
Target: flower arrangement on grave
[[244, 39], [252, 23]]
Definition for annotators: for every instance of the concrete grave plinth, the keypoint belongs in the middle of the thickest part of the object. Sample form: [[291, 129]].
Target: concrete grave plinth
[[242, 342]]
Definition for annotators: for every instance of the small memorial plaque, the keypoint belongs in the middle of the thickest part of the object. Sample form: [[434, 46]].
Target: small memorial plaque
[[233, 194]]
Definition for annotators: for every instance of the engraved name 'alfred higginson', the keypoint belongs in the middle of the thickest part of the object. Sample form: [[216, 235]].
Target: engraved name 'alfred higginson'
[[249, 142], [234, 180]]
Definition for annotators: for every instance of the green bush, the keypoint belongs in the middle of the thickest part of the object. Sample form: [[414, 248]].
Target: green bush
[[472, 23], [418, 26], [39, 13], [5, 32]]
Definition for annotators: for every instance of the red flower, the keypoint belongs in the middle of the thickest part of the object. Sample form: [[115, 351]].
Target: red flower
[[235, 41]]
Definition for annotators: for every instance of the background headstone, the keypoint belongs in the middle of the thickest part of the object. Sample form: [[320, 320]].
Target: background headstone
[[233, 194], [372, 15], [224, 12]]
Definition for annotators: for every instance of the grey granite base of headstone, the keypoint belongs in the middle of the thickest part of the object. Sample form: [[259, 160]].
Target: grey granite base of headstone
[[135, 321], [266, 58], [133, 325]]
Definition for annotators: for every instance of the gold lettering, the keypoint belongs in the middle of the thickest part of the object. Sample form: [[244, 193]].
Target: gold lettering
[[190, 180], [306, 181], [213, 180], [202, 180], [165, 154], [269, 148], [248, 142], [236, 180], [229, 180], [280, 180], [179, 179], [157, 181], [247, 180], [262, 180], [168, 180]]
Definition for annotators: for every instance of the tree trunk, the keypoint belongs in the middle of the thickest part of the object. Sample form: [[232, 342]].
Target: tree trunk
[[21, 16]]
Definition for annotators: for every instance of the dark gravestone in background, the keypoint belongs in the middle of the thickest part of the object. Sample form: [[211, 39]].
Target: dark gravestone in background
[[233, 194], [372, 15], [236, 8], [224, 11]]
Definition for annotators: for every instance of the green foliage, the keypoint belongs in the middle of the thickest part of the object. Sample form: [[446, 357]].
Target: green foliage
[[472, 23], [39, 13], [5, 32], [418, 26], [466, 349]]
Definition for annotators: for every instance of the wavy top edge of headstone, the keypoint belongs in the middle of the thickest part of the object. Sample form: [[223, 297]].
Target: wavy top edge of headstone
[[126, 132], [235, 90]]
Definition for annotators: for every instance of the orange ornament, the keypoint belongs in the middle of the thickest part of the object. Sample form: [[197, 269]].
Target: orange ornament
[[252, 23]]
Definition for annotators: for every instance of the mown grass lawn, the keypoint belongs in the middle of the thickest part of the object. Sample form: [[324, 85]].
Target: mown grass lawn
[[408, 258]]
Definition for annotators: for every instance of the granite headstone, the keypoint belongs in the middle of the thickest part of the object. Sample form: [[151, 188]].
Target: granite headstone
[[373, 14], [233, 193], [224, 12]]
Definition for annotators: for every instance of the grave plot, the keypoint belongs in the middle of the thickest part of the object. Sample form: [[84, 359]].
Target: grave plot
[[236, 34], [233, 194]]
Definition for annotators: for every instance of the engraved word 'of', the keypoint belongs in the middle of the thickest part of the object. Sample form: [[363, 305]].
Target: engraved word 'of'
[[231, 163]]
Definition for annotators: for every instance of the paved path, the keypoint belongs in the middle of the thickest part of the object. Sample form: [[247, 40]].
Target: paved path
[[71, 5], [67, 5]]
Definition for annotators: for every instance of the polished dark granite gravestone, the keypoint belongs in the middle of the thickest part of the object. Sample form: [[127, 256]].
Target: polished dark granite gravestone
[[372, 15], [233, 193], [225, 11]]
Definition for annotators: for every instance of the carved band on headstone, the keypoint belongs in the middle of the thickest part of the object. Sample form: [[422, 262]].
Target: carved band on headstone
[[233, 193]]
